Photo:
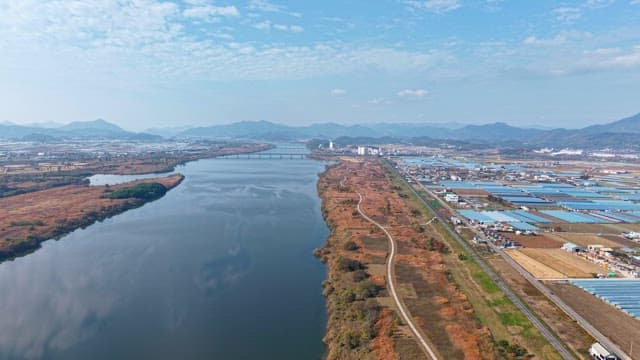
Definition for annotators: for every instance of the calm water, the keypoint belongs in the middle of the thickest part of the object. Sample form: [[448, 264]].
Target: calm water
[[220, 268]]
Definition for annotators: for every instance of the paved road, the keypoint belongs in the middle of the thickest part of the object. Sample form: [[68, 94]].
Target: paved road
[[392, 287], [544, 330], [535, 282]]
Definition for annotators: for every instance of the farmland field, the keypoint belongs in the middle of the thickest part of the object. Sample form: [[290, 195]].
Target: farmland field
[[553, 263], [566, 263], [587, 228], [536, 241], [613, 323], [586, 239], [534, 267]]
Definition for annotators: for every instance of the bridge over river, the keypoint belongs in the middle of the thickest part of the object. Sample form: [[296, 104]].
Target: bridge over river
[[288, 151]]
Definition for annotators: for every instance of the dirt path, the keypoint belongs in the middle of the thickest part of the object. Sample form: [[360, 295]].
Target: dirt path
[[392, 288]]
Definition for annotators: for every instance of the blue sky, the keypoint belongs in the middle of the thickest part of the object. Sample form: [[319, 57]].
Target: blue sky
[[146, 63]]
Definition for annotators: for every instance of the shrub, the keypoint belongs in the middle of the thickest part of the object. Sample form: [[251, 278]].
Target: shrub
[[367, 289], [346, 264], [359, 275], [351, 245], [145, 191], [31, 224]]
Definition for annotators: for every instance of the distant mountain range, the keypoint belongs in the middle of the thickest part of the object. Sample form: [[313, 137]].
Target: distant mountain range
[[80, 130], [618, 134]]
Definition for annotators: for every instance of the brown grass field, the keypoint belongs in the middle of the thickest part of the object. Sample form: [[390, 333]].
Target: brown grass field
[[569, 265], [622, 241], [585, 239], [628, 227], [534, 267], [421, 279], [41, 214], [586, 228], [536, 241]]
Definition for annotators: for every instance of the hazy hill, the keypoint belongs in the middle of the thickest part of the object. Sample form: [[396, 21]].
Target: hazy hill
[[621, 133], [626, 125], [243, 129], [81, 130], [617, 134], [93, 125], [496, 132], [266, 130]]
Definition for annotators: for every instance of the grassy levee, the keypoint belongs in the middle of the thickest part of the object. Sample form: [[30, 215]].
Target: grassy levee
[[514, 334]]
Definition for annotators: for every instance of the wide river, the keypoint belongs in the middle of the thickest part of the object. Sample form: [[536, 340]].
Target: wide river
[[219, 268]]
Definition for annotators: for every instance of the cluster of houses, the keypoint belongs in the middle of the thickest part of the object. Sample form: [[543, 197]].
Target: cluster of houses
[[614, 261]]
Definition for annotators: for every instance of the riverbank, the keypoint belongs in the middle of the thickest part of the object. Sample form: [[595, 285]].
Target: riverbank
[[27, 220], [363, 321], [36, 176]]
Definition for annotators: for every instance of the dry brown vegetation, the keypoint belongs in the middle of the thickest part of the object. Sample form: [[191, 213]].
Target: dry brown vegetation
[[586, 239], [554, 263], [537, 269], [36, 180], [440, 308], [536, 241], [28, 219]]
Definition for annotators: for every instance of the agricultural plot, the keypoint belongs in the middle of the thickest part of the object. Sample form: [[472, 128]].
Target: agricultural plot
[[565, 263], [623, 294], [537, 241], [613, 323], [586, 239], [553, 263], [614, 229], [534, 267]]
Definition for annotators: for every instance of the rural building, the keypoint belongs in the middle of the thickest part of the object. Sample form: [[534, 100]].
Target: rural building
[[451, 197], [571, 247]]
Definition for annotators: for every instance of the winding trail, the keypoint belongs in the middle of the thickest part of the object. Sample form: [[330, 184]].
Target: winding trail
[[404, 312]]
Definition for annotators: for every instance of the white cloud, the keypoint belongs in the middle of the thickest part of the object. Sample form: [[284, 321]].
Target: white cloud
[[296, 28], [436, 6], [264, 25], [147, 41], [616, 58], [264, 5], [574, 61], [267, 6], [268, 25], [379, 101], [560, 39], [598, 4], [567, 14], [634, 2], [338, 92], [413, 93], [211, 12]]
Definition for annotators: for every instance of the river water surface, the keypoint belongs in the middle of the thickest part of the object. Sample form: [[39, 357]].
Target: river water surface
[[219, 268]]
